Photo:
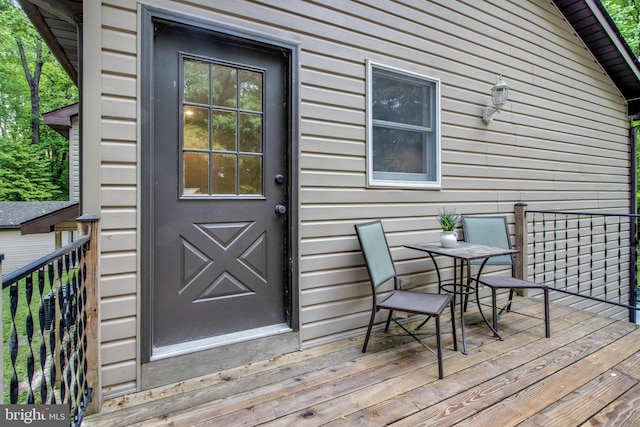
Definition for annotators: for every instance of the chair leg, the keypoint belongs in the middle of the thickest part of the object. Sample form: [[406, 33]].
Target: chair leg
[[439, 344], [494, 303], [547, 326], [507, 306], [366, 338], [386, 329], [453, 327], [423, 323]]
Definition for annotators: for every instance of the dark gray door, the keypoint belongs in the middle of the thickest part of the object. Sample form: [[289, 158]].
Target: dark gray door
[[219, 187]]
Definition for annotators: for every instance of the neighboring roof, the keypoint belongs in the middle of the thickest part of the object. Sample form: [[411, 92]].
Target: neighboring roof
[[601, 35], [60, 119], [56, 21], [36, 217]]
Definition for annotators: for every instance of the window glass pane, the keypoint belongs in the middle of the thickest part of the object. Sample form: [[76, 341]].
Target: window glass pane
[[225, 86], [196, 128], [250, 90], [399, 151], [400, 100], [250, 133], [196, 173], [250, 174], [224, 174], [196, 82], [227, 122], [224, 130]]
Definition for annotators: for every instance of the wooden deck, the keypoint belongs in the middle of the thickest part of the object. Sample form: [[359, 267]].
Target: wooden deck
[[587, 373]]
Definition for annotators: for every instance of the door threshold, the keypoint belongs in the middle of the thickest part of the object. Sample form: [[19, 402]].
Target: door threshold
[[180, 349]]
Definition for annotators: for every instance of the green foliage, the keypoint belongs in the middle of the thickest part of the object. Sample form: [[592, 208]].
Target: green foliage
[[626, 15], [448, 219], [24, 172], [29, 172]]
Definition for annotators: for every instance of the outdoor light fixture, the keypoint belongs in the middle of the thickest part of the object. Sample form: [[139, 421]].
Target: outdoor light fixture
[[499, 95]]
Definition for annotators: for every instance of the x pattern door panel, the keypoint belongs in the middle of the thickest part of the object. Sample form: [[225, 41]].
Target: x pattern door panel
[[211, 279]]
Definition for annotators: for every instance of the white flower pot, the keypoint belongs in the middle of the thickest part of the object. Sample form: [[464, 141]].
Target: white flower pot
[[448, 239]]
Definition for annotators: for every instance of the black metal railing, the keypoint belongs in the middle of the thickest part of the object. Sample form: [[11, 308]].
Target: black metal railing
[[46, 331], [590, 255]]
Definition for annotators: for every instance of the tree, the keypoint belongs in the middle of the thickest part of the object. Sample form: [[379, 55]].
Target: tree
[[23, 173], [626, 15], [32, 82]]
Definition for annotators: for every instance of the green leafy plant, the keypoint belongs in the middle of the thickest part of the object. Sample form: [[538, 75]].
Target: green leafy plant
[[448, 219]]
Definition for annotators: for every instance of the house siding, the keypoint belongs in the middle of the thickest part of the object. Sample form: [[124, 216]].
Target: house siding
[[561, 142], [74, 160], [20, 250]]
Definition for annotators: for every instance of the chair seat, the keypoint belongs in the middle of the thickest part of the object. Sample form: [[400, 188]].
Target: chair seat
[[416, 302], [507, 282]]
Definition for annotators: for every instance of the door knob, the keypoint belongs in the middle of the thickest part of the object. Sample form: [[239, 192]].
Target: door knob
[[281, 209]]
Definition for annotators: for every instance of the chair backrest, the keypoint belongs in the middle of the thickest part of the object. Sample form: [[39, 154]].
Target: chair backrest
[[376, 252], [489, 231]]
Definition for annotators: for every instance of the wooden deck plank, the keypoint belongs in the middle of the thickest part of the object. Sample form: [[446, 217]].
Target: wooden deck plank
[[341, 410], [186, 394], [211, 388], [542, 394], [481, 363], [338, 387], [265, 404], [242, 399], [524, 379], [631, 366], [258, 372], [260, 410], [514, 371], [583, 403], [623, 412]]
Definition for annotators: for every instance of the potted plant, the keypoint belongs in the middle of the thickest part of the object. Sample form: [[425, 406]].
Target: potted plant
[[448, 220]]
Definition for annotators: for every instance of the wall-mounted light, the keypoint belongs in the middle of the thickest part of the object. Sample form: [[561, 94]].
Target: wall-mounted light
[[499, 96]]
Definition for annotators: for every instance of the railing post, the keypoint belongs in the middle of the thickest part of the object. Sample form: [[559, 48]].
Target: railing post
[[90, 224], [1, 335], [522, 268]]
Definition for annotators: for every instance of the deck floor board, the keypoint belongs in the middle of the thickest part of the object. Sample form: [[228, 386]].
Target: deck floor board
[[587, 373]]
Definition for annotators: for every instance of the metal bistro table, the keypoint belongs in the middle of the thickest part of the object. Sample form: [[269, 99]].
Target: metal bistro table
[[465, 253]]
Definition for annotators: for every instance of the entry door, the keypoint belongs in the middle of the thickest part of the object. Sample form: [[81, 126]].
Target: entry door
[[219, 189]]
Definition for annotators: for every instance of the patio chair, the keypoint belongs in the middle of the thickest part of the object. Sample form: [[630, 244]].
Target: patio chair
[[381, 270], [494, 231]]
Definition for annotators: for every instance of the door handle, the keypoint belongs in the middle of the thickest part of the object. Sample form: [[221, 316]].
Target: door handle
[[281, 209]]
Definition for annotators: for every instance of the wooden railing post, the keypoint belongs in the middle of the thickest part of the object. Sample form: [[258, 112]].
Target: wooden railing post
[[90, 224], [521, 241]]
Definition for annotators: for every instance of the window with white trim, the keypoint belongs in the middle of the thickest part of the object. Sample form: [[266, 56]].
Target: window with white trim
[[403, 129]]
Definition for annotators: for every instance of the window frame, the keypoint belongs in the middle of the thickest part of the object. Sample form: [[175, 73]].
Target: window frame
[[434, 100]]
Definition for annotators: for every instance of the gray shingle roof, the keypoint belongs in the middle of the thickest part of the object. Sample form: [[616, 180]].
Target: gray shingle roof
[[12, 214]]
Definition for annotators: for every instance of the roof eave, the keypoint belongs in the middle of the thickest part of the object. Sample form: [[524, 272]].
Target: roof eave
[[600, 34], [47, 223], [32, 9]]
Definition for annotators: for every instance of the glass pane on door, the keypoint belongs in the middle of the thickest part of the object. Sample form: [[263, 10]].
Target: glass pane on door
[[222, 133]]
